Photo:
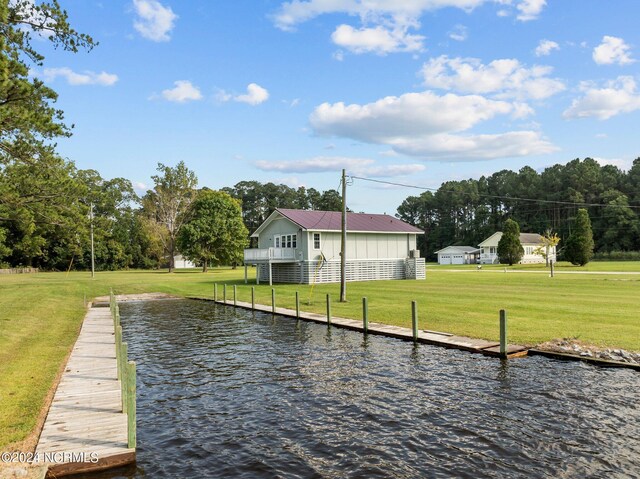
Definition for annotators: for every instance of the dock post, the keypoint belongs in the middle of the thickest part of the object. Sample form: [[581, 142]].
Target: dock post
[[297, 305], [365, 315], [503, 334], [414, 320], [253, 297], [273, 300], [215, 292], [118, 339], [246, 280], [328, 310], [131, 405], [122, 366], [235, 294], [224, 293]]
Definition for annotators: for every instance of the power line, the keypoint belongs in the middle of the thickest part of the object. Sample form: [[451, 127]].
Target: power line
[[511, 198]]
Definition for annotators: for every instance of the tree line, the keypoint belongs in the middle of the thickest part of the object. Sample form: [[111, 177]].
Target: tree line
[[46, 202], [467, 212]]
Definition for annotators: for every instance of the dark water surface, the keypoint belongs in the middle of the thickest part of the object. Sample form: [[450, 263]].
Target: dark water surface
[[228, 393]]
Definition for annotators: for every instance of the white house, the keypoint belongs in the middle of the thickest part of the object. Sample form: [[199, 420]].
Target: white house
[[458, 255], [529, 241], [180, 262], [300, 246]]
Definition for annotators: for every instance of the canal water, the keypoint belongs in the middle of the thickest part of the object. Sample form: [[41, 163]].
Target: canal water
[[230, 393]]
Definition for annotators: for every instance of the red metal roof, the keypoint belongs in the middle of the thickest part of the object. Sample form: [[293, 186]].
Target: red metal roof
[[332, 221]]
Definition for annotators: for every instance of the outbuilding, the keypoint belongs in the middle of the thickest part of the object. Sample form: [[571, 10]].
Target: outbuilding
[[458, 255]]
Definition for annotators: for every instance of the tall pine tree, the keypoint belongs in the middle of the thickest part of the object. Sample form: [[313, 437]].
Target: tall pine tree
[[579, 246]]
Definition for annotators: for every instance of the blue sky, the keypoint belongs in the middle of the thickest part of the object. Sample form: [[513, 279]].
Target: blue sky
[[408, 91]]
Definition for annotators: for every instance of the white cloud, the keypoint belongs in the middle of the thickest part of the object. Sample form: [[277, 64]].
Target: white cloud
[[183, 91], [84, 78], [615, 97], [322, 164], [624, 165], [140, 186], [612, 50], [379, 39], [154, 20], [254, 96], [459, 33], [530, 9], [385, 24], [545, 47], [429, 126], [295, 12], [504, 78]]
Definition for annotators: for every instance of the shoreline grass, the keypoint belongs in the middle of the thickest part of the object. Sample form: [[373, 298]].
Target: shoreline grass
[[40, 315]]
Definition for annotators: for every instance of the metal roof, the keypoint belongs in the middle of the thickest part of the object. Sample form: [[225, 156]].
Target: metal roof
[[356, 222], [459, 249]]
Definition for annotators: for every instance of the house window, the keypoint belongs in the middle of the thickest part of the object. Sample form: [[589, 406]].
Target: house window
[[316, 240], [288, 241], [294, 241], [277, 241], [492, 250], [284, 241]]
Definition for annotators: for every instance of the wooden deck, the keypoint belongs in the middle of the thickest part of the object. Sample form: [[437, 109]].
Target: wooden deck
[[435, 338], [85, 429]]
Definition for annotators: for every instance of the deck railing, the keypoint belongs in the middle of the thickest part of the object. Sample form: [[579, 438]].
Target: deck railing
[[264, 254], [126, 374]]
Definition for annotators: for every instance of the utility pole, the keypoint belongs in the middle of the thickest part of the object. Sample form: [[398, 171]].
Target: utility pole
[[93, 264], [343, 246]]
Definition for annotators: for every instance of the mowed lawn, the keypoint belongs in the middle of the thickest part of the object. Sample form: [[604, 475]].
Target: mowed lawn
[[40, 315]]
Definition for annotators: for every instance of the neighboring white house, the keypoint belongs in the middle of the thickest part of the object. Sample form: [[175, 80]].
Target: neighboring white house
[[300, 246], [180, 262], [458, 255], [529, 241]]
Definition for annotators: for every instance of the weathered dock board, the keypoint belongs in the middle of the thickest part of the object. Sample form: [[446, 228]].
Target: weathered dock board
[[85, 429], [435, 338]]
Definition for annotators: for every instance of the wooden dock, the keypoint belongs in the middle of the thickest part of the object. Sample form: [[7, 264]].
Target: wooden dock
[[85, 429], [435, 338]]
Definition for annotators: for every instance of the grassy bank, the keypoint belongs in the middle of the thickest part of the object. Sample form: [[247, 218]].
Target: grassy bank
[[40, 314]]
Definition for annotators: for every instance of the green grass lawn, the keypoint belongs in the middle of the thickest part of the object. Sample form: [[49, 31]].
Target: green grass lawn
[[40, 315]]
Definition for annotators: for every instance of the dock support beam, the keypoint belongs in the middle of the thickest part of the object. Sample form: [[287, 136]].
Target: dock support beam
[[365, 315], [273, 301], [503, 334], [224, 293], [246, 280], [215, 292], [235, 295], [414, 320], [297, 305], [328, 310], [253, 298]]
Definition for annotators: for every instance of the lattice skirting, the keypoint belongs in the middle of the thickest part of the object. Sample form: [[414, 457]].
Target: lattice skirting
[[309, 272]]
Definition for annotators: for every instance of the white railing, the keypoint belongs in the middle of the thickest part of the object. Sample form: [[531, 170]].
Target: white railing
[[488, 257], [264, 254]]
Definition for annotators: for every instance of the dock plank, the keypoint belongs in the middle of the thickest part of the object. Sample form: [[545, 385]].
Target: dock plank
[[86, 415]]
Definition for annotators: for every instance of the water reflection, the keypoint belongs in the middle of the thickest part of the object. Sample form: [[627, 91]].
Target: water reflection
[[226, 393]]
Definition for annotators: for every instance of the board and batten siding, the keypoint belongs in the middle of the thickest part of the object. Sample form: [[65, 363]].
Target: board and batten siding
[[362, 245], [278, 227]]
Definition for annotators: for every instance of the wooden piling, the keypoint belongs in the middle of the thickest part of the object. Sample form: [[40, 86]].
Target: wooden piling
[[224, 293], [414, 320], [235, 295], [297, 305], [328, 309], [131, 404], [122, 367], [253, 297], [273, 300], [365, 315], [503, 334], [118, 340], [215, 291]]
